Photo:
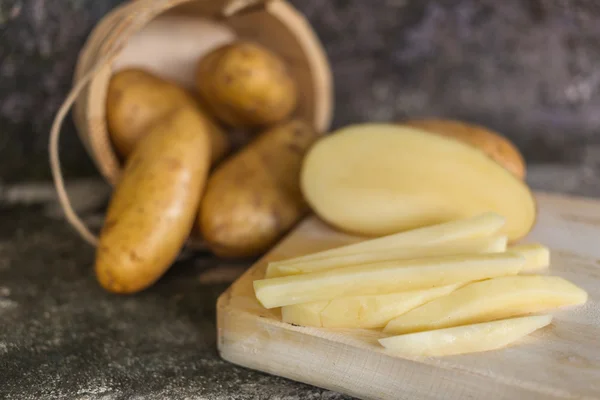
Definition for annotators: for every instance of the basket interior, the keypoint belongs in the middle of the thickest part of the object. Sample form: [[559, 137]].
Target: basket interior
[[258, 25]]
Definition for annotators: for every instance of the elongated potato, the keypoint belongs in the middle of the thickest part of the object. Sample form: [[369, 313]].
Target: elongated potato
[[376, 179], [383, 278], [246, 85], [496, 146], [478, 226], [360, 311], [137, 99], [465, 339], [154, 205], [537, 256], [254, 197], [466, 246], [490, 300]]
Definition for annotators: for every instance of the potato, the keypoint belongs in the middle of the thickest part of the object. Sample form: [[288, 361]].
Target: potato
[[537, 257], [465, 339], [482, 225], [136, 100], [496, 146], [246, 85], [360, 311], [254, 197], [377, 179], [466, 246], [383, 278], [490, 300], [154, 205]]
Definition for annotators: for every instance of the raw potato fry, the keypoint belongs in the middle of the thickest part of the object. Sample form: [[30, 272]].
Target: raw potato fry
[[465, 339], [383, 278], [305, 314], [537, 257], [482, 225], [375, 179], [361, 311], [483, 245], [154, 205], [496, 146], [490, 300]]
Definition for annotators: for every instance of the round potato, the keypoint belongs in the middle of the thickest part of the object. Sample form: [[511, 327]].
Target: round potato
[[137, 99], [496, 146], [254, 197], [246, 85], [154, 205]]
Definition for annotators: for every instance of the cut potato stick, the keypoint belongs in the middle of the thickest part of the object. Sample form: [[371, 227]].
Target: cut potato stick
[[383, 278], [305, 314], [494, 244], [537, 256], [465, 339], [361, 311], [482, 225], [490, 300]]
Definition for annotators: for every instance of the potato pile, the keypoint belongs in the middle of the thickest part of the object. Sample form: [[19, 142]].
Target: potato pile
[[183, 176], [444, 289]]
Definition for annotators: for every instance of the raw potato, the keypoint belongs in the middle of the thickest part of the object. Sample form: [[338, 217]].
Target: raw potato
[[154, 204], [137, 100], [384, 278], [465, 339], [496, 146], [494, 244], [537, 256], [473, 227], [246, 85], [305, 314], [360, 311], [376, 179], [254, 197], [490, 300]]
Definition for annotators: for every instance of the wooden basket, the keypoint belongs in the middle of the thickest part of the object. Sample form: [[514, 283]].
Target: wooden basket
[[275, 24]]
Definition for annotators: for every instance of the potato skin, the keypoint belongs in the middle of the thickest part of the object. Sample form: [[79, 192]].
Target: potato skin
[[137, 99], [246, 85], [254, 197], [497, 147], [154, 205]]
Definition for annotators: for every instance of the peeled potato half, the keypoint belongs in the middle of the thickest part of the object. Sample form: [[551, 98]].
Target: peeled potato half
[[377, 179]]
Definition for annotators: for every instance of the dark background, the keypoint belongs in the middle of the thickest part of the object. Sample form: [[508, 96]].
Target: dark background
[[527, 68]]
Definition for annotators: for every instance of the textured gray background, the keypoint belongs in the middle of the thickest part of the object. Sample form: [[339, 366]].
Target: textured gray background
[[527, 68]]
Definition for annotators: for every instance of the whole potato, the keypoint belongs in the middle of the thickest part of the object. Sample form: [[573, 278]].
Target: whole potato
[[246, 85], [254, 197], [497, 147], [137, 99], [154, 205]]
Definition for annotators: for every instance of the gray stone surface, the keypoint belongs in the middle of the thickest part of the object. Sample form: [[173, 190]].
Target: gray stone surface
[[62, 337], [527, 68]]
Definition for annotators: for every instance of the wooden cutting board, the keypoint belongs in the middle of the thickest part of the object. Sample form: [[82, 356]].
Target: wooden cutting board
[[561, 361]]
